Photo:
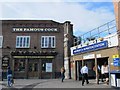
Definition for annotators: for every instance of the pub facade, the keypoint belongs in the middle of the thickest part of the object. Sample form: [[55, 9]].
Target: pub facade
[[33, 48]]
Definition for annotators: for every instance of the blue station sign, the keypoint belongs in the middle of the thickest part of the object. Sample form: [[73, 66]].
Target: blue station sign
[[92, 47], [116, 61]]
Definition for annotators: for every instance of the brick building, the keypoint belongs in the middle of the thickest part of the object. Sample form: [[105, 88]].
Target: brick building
[[33, 48]]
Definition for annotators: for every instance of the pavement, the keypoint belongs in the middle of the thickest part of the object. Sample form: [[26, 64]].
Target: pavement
[[51, 83]]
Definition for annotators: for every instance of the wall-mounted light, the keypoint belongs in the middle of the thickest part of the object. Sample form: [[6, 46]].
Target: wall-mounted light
[[7, 47], [101, 39]]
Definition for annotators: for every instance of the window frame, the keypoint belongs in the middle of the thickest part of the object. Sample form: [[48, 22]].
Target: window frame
[[50, 44], [22, 41]]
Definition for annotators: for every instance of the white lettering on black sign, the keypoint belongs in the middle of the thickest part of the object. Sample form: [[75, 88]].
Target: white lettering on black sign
[[35, 30]]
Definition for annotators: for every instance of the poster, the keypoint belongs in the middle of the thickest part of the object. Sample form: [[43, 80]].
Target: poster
[[48, 67]]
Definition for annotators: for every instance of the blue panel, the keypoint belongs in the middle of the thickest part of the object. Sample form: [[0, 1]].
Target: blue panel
[[116, 61], [93, 47]]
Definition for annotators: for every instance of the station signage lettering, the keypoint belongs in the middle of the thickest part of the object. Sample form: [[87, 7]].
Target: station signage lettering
[[27, 29], [116, 61], [93, 47]]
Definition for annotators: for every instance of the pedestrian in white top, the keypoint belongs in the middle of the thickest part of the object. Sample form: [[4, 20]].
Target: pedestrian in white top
[[102, 73], [84, 72], [106, 72]]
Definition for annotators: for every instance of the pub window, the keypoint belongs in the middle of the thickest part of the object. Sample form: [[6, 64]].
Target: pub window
[[48, 42], [44, 63], [30, 67], [22, 41], [19, 65], [1, 41], [36, 67]]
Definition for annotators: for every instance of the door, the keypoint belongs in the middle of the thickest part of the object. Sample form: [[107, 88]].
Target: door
[[78, 68], [33, 68]]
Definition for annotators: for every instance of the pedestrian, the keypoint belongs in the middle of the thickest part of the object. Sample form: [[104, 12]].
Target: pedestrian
[[106, 73], [102, 73], [63, 73], [98, 72], [84, 72], [9, 76]]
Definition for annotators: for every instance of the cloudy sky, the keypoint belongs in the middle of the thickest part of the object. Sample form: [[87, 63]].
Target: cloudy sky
[[84, 16]]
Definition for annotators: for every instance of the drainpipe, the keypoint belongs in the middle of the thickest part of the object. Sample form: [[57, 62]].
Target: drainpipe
[[109, 72]]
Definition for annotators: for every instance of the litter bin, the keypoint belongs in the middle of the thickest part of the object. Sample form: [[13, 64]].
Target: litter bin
[[115, 78]]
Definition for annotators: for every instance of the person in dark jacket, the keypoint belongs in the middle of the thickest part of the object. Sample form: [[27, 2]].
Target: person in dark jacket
[[63, 73], [9, 76]]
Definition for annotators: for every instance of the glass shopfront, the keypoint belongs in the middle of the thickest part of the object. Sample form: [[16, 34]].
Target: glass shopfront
[[19, 65], [46, 65], [33, 67]]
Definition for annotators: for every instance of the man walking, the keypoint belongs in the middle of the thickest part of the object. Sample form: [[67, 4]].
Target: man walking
[[84, 72]]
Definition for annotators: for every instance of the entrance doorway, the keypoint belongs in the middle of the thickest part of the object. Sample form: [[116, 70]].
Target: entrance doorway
[[78, 68], [90, 63], [33, 66], [101, 61]]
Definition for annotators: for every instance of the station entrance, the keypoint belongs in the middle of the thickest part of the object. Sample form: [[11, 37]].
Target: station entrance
[[91, 64]]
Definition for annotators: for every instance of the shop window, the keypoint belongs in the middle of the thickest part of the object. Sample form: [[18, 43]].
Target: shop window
[[22, 41], [1, 41], [36, 67], [45, 65], [19, 65], [48, 42], [30, 67]]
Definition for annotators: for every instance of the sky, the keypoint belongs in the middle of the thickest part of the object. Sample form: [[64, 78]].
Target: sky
[[85, 15]]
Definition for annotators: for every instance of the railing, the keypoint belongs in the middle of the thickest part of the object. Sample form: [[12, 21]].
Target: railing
[[99, 32]]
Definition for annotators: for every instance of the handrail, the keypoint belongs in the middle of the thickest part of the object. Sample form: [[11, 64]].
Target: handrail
[[101, 31]]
